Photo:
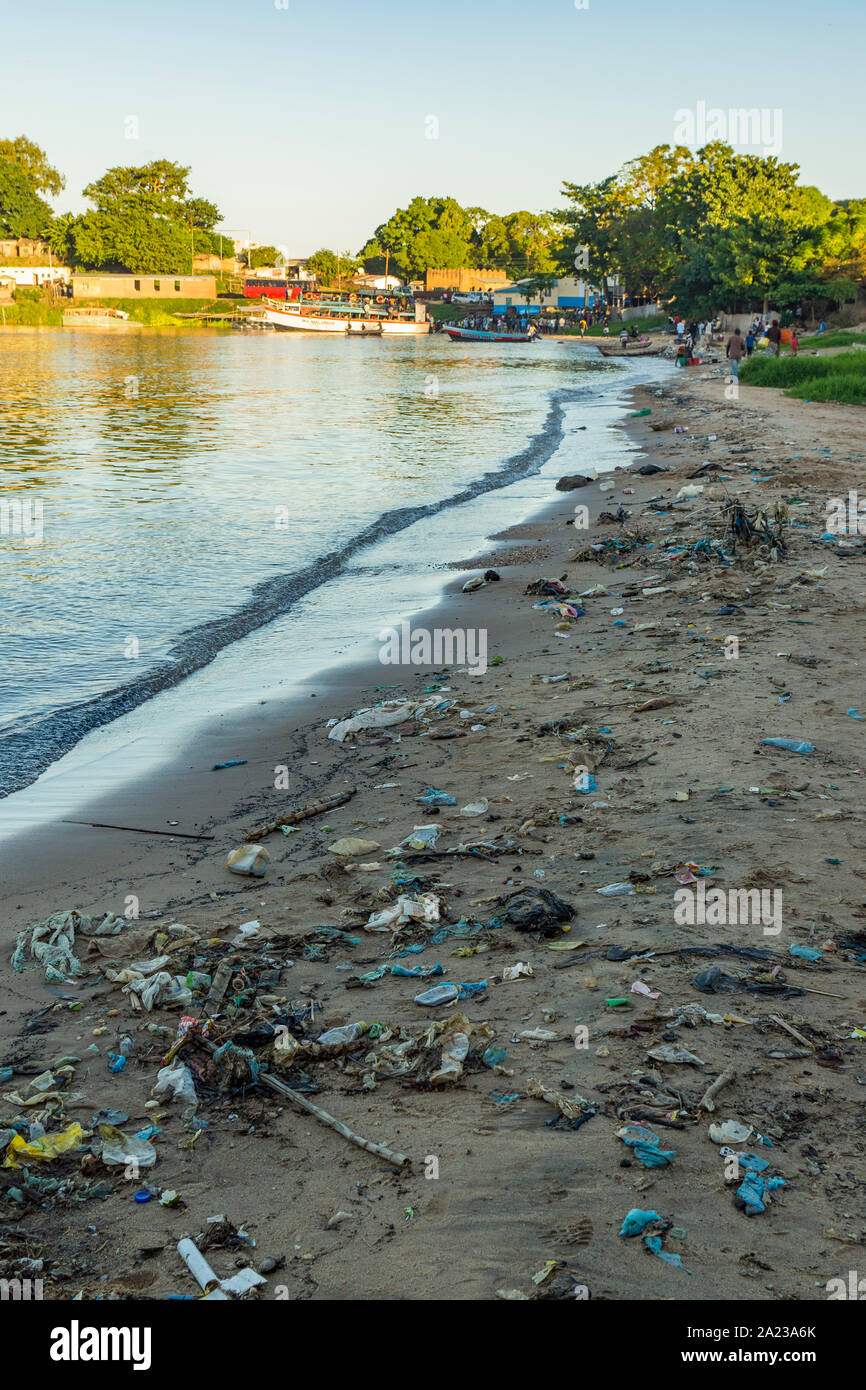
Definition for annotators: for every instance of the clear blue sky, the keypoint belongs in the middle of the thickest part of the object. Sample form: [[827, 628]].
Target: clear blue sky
[[307, 124]]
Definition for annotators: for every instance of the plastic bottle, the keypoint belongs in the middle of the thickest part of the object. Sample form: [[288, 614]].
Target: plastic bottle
[[348, 1033], [791, 745], [198, 981], [218, 988]]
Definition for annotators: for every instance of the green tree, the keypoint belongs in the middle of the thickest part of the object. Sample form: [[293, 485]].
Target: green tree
[[429, 232], [42, 176], [263, 255], [128, 237], [145, 221], [22, 212]]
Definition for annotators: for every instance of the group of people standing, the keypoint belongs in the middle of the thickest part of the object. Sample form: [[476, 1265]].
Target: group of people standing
[[740, 346]]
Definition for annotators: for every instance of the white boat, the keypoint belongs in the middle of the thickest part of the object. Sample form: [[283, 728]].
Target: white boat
[[97, 317], [405, 326], [345, 316], [291, 316]]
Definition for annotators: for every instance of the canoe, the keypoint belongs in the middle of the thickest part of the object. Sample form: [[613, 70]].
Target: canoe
[[482, 335]]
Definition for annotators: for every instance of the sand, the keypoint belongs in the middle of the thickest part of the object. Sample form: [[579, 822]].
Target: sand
[[493, 1191]]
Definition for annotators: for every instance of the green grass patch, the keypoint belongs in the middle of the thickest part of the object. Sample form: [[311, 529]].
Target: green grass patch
[[31, 313], [840, 378], [161, 313], [841, 339]]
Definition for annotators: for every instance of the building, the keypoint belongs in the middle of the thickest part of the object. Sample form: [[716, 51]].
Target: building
[[15, 248], [566, 293], [35, 276], [96, 285], [377, 282], [464, 279]]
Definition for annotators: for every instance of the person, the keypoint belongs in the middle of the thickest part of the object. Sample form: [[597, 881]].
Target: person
[[795, 343], [582, 325], [623, 338], [774, 338], [750, 342], [734, 352], [681, 328], [700, 330]]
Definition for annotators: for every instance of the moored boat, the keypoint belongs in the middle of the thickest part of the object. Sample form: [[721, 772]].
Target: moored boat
[[382, 316], [484, 335], [100, 316]]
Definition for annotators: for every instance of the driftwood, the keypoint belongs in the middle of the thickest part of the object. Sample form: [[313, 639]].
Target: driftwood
[[310, 808], [138, 830], [707, 1100], [265, 1079]]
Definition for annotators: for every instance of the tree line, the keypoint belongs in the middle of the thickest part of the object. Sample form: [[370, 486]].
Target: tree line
[[705, 229]]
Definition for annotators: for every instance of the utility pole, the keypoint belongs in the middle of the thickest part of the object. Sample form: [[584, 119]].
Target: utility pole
[[387, 254]]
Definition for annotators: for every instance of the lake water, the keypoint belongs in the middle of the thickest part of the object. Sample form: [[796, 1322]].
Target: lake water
[[163, 496]]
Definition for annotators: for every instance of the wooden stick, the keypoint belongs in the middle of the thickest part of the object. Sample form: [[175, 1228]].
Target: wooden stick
[[311, 808], [788, 1029], [380, 1150], [706, 1101], [138, 830]]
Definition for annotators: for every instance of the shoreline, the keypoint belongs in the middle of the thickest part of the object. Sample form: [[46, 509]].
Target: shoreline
[[512, 1192]]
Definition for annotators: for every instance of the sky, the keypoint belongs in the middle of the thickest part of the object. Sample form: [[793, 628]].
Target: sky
[[309, 121]]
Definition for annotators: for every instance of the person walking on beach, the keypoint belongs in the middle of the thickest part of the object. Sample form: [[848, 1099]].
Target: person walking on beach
[[774, 338], [734, 352], [582, 326]]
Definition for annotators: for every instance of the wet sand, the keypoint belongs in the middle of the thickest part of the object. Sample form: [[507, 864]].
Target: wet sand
[[673, 788]]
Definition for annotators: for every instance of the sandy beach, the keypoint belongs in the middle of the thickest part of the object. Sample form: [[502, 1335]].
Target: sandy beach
[[518, 1164]]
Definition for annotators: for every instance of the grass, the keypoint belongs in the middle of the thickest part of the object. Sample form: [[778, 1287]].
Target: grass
[[596, 330], [160, 313], [31, 313], [833, 340], [32, 309], [840, 378]]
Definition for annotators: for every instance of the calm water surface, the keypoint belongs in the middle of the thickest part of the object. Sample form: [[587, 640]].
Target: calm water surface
[[194, 487]]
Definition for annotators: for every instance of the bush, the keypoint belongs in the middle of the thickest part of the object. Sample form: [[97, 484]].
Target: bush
[[838, 378]]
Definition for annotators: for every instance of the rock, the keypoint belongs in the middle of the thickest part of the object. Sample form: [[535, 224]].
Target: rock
[[572, 481]]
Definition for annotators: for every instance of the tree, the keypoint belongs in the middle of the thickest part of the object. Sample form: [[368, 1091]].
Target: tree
[[42, 176], [145, 221], [429, 232], [128, 237], [263, 255], [22, 212]]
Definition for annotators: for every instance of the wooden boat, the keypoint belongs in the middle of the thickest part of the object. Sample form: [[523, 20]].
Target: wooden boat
[[483, 335], [614, 348], [100, 316]]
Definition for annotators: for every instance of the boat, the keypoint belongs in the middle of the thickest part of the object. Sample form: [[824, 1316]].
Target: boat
[[614, 348], [100, 316], [483, 335], [379, 315]]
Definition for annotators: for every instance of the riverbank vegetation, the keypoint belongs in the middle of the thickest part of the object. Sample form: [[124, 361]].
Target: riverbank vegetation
[[836, 377]]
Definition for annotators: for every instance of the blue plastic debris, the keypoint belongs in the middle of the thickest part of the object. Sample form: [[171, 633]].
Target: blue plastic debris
[[635, 1221]]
